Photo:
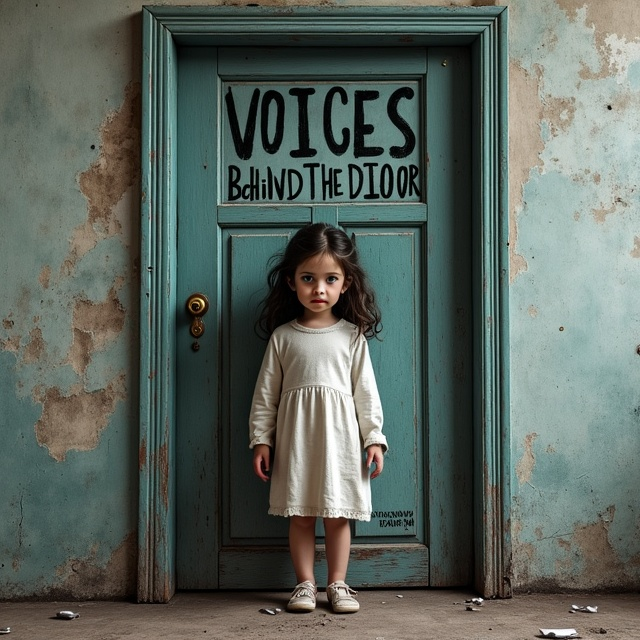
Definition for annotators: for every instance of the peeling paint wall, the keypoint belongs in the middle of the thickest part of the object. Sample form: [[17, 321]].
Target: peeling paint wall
[[575, 321], [69, 171]]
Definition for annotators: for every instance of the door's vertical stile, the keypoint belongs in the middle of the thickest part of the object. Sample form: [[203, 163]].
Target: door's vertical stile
[[449, 312], [197, 423]]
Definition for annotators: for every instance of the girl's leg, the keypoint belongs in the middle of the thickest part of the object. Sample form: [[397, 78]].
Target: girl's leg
[[302, 547], [338, 546]]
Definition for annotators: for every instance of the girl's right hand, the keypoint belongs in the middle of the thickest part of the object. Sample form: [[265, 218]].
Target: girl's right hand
[[262, 461]]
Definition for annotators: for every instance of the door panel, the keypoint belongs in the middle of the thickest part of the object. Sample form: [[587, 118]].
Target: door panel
[[392, 259], [225, 537]]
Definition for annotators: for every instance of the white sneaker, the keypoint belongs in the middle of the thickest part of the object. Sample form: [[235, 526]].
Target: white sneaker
[[303, 597], [341, 597]]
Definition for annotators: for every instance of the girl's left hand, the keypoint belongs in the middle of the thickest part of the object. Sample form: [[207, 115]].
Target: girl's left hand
[[375, 456]]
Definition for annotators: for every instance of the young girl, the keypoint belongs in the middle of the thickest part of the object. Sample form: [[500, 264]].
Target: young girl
[[316, 405]]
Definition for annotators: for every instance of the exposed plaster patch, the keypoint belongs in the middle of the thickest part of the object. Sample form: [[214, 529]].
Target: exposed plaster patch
[[75, 421], [559, 113], [601, 214], [526, 464], [526, 555], [95, 324], [79, 356], [35, 348], [533, 311], [525, 149], [602, 566], [635, 252], [45, 276], [116, 170], [12, 342], [86, 578], [623, 21]]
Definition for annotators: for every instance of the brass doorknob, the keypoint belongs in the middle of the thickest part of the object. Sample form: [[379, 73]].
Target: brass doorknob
[[197, 304]]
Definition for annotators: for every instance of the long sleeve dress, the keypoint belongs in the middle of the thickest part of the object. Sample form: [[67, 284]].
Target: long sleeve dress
[[316, 404]]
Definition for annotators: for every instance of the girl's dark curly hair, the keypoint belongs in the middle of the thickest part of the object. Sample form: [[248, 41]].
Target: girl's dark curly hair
[[356, 305]]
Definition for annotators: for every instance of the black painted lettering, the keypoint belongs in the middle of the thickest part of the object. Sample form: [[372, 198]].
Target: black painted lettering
[[402, 181], [312, 166], [243, 144], [401, 123], [361, 129], [304, 149], [272, 146], [279, 186], [337, 185], [336, 148], [386, 181], [414, 187], [233, 183], [372, 194], [294, 191], [356, 180]]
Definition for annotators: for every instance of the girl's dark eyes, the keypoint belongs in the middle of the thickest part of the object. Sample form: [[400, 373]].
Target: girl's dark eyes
[[330, 279]]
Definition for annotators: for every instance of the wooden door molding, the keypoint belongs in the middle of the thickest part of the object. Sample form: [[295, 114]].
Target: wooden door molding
[[484, 31]]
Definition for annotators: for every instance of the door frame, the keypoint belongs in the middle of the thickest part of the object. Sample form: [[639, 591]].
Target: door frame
[[484, 31]]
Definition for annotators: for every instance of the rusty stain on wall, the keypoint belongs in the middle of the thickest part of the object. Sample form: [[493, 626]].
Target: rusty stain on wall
[[76, 420], [526, 464], [116, 170]]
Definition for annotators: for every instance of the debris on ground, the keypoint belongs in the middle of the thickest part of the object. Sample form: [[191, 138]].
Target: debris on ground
[[67, 615], [4, 630], [575, 608], [559, 633], [271, 611], [478, 602]]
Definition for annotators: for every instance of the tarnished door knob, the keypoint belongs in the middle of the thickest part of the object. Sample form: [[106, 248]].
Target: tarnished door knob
[[197, 306]]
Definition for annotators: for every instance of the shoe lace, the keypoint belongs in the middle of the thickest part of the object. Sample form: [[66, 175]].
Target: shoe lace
[[343, 590], [303, 590]]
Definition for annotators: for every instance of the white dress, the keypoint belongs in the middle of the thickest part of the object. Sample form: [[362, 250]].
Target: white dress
[[316, 403]]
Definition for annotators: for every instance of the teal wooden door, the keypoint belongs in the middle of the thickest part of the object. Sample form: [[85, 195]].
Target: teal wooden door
[[376, 141]]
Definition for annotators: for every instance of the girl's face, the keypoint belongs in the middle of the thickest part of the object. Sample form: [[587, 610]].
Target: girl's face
[[318, 282]]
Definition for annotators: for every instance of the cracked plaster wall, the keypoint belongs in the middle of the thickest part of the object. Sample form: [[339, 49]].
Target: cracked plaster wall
[[574, 199], [69, 167]]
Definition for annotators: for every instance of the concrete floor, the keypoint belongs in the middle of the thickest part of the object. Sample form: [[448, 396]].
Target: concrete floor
[[384, 615]]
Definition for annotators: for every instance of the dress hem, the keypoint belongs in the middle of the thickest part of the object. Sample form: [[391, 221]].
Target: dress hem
[[364, 516]]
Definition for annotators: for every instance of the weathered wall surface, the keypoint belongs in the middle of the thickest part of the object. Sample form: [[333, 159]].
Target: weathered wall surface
[[69, 197], [575, 326]]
